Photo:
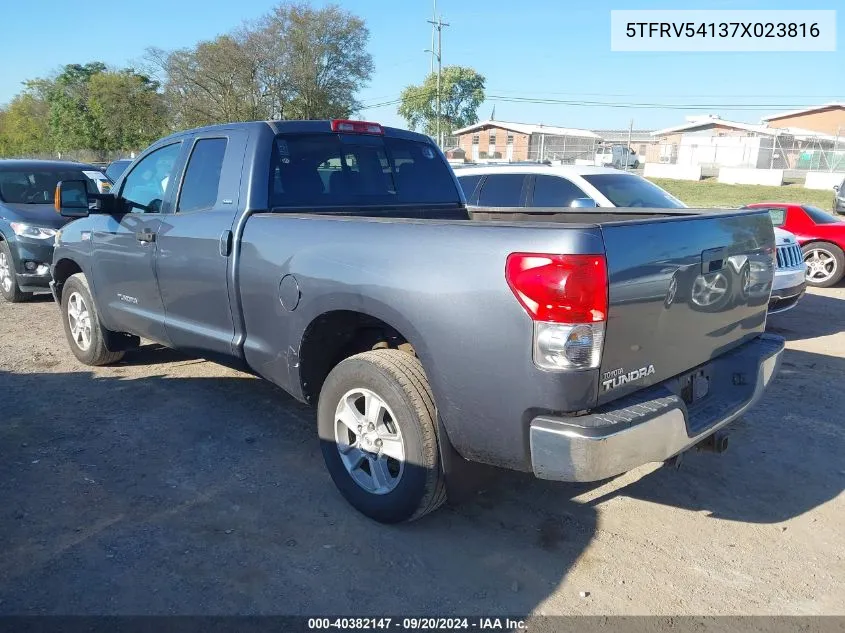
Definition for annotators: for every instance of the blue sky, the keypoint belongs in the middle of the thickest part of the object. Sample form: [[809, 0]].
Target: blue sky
[[535, 48]]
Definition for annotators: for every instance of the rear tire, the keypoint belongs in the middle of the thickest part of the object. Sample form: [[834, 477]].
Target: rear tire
[[85, 334], [825, 264], [8, 284], [390, 386]]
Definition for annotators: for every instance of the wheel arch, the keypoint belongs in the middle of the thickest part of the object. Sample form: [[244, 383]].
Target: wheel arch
[[62, 271], [333, 335]]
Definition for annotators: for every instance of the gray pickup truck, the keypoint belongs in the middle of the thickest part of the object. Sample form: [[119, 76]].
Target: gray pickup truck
[[338, 260]]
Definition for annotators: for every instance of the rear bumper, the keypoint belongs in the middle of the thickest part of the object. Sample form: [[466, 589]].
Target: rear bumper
[[654, 424], [783, 299]]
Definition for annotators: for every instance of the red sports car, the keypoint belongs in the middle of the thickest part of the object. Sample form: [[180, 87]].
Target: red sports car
[[820, 234]]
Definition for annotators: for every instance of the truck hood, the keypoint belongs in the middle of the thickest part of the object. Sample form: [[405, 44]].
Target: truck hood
[[43, 215]]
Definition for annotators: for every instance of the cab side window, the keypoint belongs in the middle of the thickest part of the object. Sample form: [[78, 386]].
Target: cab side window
[[202, 175], [554, 191], [145, 187]]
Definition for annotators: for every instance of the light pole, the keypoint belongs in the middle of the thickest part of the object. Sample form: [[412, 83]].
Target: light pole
[[438, 24], [437, 123]]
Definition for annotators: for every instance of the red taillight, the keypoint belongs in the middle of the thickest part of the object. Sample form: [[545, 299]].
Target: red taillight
[[559, 288], [356, 127]]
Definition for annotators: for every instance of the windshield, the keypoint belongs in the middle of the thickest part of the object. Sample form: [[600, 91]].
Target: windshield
[[358, 170], [630, 190], [116, 169], [38, 186], [820, 216]]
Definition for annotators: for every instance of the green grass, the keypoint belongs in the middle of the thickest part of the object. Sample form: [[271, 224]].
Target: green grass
[[711, 193]]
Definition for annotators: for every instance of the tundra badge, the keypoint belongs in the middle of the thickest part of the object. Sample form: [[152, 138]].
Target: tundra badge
[[617, 377]]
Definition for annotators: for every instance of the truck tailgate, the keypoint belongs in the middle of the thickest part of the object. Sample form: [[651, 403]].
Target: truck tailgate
[[682, 291]]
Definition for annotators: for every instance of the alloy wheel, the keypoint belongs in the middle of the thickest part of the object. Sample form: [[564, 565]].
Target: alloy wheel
[[79, 320], [6, 280], [369, 441], [821, 265]]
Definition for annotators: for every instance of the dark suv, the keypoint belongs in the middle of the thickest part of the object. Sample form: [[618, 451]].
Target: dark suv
[[29, 222]]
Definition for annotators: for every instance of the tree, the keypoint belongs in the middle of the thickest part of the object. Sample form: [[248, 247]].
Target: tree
[[127, 111], [461, 94], [72, 125], [24, 126], [296, 62], [320, 62], [214, 82]]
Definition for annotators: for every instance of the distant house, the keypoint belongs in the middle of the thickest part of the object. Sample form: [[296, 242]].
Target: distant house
[[828, 118], [712, 141], [506, 141]]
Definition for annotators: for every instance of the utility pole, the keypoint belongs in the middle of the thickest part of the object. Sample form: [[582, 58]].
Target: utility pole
[[438, 24], [628, 153], [434, 17]]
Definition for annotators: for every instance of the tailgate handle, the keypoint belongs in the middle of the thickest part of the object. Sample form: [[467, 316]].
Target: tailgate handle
[[712, 259]]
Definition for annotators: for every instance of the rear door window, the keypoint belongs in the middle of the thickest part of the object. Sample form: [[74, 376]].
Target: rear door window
[[554, 191], [330, 170], [202, 176], [502, 190]]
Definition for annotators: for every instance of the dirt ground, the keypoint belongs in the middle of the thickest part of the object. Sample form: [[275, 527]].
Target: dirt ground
[[170, 485]]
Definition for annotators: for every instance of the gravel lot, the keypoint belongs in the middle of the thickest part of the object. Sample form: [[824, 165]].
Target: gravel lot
[[172, 485]]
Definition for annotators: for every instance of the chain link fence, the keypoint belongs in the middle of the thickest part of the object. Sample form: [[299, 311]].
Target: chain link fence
[[783, 151]]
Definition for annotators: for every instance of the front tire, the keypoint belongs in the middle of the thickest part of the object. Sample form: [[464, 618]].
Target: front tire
[[85, 334], [825, 264], [377, 426], [8, 284]]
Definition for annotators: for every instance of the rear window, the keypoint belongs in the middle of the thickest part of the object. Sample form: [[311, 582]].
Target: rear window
[[38, 186], [628, 190], [820, 216], [357, 170], [778, 215]]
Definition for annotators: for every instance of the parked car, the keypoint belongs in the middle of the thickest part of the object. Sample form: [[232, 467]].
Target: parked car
[[337, 260], [820, 234], [839, 198], [789, 282], [28, 221], [117, 167], [617, 156], [586, 186]]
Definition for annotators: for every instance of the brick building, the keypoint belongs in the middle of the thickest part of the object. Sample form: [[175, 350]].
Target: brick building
[[502, 140], [828, 118]]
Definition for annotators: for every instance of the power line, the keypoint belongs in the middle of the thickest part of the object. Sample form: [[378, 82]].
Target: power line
[[612, 104]]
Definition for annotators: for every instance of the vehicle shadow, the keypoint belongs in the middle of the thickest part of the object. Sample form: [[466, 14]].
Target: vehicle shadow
[[784, 457], [203, 495], [155, 354], [167, 495], [815, 315]]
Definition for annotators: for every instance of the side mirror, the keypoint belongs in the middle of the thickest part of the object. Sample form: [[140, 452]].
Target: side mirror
[[836, 188], [583, 203], [71, 200]]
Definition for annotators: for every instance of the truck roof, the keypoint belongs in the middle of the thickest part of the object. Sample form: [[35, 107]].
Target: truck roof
[[295, 127]]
